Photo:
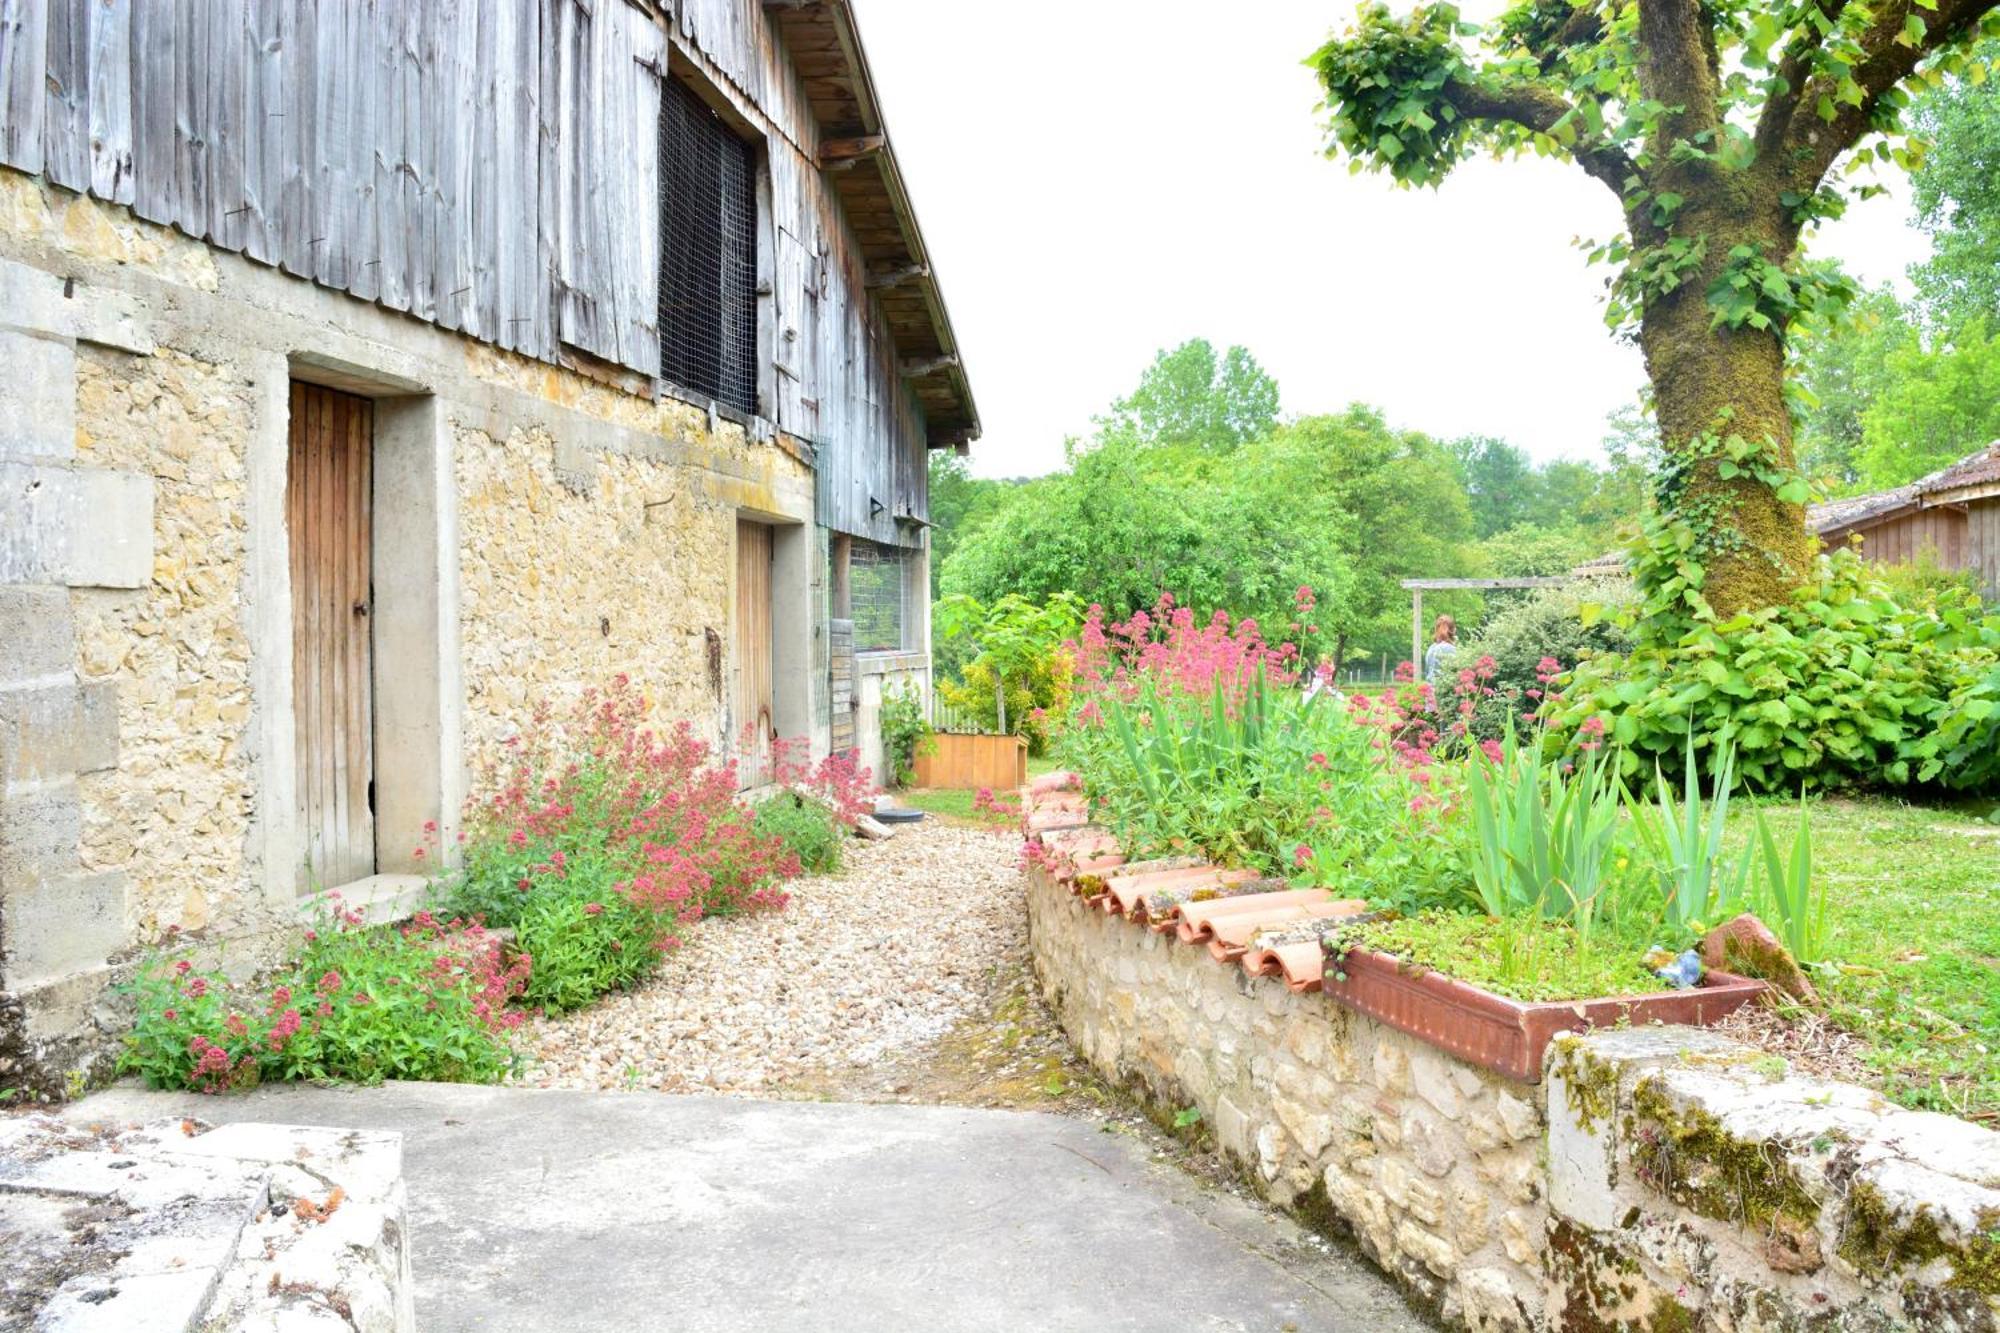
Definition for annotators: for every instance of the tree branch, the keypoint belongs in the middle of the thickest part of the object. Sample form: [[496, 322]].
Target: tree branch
[[1812, 145], [1677, 68], [1540, 109], [1789, 81]]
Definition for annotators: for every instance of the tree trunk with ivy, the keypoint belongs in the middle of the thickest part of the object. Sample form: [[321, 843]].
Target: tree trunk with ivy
[[1717, 127]]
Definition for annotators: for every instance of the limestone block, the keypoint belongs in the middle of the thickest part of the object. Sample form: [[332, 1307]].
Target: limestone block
[[43, 302], [1471, 1214], [39, 828], [1431, 1075], [1486, 1300], [1232, 1129], [1521, 1237], [37, 397], [1583, 1152], [37, 634], [1192, 1071], [1270, 1150], [1430, 1144], [1356, 1199], [1516, 1116], [1391, 1065], [1310, 1129], [58, 731], [58, 926], [87, 528], [1434, 1252]]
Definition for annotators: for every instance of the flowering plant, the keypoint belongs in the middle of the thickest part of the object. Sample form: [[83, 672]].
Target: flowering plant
[[428, 1000]]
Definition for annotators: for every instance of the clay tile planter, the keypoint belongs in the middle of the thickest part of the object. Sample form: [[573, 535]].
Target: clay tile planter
[[1199, 921], [1233, 933], [1510, 1036]]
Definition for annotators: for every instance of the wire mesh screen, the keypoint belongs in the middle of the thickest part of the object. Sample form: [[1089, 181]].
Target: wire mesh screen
[[875, 590], [708, 252]]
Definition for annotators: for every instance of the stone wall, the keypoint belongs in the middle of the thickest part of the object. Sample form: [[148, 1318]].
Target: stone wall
[[571, 525], [1660, 1180]]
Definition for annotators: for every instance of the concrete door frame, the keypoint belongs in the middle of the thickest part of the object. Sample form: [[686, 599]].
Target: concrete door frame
[[418, 684]]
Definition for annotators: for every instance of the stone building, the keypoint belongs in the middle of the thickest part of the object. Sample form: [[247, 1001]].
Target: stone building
[[369, 373]]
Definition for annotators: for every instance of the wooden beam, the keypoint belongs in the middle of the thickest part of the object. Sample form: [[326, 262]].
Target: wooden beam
[[793, 4], [916, 368], [839, 154], [957, 440], [880, 279], [1556, 581]]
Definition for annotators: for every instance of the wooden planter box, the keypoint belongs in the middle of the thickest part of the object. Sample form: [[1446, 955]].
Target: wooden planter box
[[1510, 1036], [970, 762]]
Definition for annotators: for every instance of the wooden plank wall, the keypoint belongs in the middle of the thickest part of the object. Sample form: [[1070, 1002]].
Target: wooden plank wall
[[478, 164], [1941, 531], [1982, 544]]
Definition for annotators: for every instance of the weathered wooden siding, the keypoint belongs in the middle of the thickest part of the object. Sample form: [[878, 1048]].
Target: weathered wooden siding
[[834, 376], [1982, 544], [1941, 532], [489, 166]]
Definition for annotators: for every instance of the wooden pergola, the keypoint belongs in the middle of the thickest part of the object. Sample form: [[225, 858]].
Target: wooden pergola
[[1418, 587]]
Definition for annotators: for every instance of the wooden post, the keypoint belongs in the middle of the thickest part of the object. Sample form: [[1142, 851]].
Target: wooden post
[[1417, 633]]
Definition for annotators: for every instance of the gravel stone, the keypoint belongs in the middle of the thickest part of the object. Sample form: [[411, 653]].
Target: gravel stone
[[863, 970]]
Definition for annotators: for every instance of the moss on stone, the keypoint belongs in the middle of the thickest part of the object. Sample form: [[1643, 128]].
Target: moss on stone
[[1603, 1290], [1686, 1155], [1875, 1241], [1590, 1085]]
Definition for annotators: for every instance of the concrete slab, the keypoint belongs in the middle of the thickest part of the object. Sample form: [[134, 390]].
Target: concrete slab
[[536, 1210]]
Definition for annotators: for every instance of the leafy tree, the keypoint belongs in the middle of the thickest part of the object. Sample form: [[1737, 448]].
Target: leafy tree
[[1499, 483], [960, 504], [1529, 550], [1013, 635], [1934, 407], [1717, 127], [1839, 371], [1957, 190], [1189, 397]]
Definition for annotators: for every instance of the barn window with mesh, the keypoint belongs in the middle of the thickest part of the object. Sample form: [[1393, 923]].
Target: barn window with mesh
[[708, 252], [878, 587]]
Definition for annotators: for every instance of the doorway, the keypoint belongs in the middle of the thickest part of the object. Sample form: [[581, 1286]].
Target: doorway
[[756, 722], [329, 513]]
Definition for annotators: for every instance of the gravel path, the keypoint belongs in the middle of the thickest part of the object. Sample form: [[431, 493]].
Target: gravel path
[[844, 992]]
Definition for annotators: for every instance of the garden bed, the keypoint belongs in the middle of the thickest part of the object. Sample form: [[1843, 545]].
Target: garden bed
[[1505, 1035]]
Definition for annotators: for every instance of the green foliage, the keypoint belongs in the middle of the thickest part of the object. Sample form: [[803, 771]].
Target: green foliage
[[960, 505], [1794, 902], [356, 1003], [1037, 699], [1937, 404], [1837, 373], [1957, 196], [905, 731], [1543, 833], [1189, 397], [1839, 686], [1015, 637], [586, 939], [1530, 550], [1698, 883], [1273, 782], [1968, 736], [808, 829], [1387, 86], [1566, 623], [1522, 957]]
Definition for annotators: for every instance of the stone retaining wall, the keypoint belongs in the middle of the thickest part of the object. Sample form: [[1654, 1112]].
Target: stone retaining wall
[[1662, 1179]]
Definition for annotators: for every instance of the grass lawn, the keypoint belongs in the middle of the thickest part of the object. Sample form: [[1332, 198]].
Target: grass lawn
[[953, 804], [1914, 912]]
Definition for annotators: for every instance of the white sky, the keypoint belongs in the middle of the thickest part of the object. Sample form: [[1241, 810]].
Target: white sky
[[1102, 178]]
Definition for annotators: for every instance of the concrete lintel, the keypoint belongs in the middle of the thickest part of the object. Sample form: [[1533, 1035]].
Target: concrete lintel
[[83, 527], [38, 301]]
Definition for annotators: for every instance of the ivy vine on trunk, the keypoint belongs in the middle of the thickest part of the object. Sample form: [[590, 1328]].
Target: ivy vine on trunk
[[1718, 124]]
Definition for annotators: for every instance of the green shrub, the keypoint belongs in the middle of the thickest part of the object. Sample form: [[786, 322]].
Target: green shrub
[[905, 731], [586, 938], [1840, 686], [1037, 699], [424, 1001], [807, 829], [1548, 623]]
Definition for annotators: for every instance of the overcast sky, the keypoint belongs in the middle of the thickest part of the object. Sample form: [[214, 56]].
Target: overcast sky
[[1103, 178]]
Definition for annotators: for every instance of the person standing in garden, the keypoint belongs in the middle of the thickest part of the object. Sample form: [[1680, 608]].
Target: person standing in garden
[[1444, 647]]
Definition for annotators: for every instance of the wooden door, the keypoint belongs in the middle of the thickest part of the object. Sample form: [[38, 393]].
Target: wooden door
[[328, 492], [754, 726]]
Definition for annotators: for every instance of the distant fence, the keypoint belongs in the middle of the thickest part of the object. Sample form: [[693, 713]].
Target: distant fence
[[954, 721]]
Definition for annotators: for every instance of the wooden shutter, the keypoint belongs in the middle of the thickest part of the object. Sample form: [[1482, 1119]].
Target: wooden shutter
[[754, 725], [328, 514]]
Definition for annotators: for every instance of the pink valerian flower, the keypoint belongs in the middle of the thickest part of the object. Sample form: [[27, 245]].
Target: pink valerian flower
[[183, 967], [593, 909], [286, 1026], [1302, 856], [196, 988]]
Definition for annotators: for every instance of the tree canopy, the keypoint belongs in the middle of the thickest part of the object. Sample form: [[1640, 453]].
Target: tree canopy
[[1717, 124], [1189, 396]]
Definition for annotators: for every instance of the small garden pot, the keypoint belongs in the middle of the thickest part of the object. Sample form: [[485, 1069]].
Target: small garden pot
[[1503, 1035]]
